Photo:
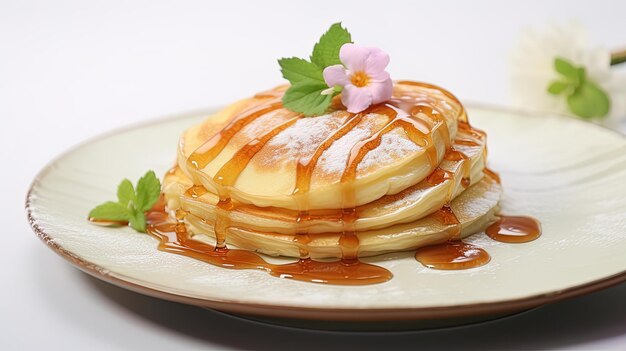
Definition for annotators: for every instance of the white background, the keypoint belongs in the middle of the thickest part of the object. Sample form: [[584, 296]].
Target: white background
[[70, 70]]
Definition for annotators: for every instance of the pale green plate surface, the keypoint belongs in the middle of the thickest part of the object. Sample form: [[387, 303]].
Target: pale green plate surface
[[569, 174]]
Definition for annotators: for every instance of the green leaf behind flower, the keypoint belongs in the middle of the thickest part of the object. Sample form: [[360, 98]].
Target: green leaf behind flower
[[307, 98], [297, 70], [326, 51], [306, 77]]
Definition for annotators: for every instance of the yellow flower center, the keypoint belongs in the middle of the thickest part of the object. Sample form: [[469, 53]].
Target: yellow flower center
[[360, 79]]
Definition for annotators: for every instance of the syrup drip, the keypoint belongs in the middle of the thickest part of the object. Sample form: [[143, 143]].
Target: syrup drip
[[462, 114], [174, 238], [438, 176], [201, 157], [446, 216], [196, 191], [475, 132], [107, 223], [437, 117], [452, 256], [491, 174], [416, 129], [304, 171], [455, 155], [466, 142], [514, 229], [228, 174]]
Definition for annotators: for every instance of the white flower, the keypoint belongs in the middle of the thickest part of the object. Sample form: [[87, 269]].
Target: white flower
[[532, 69]]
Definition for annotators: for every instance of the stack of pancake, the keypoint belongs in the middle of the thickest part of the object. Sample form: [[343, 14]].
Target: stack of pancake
[[400, 175]]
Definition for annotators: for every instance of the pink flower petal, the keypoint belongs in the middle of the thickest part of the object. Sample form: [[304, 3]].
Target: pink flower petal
[[378, 77], [356, 99], [335, 75], [376, 62], [381, 91], [361, 60], [353, 56]]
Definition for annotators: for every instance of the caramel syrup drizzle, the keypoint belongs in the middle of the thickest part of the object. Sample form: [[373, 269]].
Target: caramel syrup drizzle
[[455, 155], [514, 229], [304, 172], [209, 150], [462, 113], [174, 238], [418, 131], [493, 175], [452, 255], [401, 112]]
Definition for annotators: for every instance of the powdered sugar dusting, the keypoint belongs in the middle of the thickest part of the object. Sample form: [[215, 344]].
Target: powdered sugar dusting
[[393, 146], [299, 141], [306, 134], [333, 160], [264, 124]]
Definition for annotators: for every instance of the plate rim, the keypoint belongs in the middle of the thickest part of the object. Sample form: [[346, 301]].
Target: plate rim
[[303, 312]]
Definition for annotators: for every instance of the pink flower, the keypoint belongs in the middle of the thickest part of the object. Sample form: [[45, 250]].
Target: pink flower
[[362, 76]]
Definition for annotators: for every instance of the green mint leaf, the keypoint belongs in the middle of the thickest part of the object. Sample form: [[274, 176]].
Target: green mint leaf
[[556, 88], [296, 70], [148, 192], [125, 192], [137, 221], [589, 100], [306, 97], [566, 68], [326, 51], [306, 78], [132, 203], [110, 211]]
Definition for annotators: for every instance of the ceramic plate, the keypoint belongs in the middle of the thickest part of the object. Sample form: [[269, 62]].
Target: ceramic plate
[[567, 173]]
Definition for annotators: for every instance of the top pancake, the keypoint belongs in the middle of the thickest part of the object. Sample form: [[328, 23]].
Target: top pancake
[[274, 140]]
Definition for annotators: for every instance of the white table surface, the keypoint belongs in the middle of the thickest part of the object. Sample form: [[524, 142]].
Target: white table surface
[[70, 70]]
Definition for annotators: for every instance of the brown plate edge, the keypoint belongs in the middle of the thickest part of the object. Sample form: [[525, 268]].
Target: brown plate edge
[[313, 313]]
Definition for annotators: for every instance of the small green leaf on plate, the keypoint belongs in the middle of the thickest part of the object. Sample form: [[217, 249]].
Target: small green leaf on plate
[[137, 221], [110, 211], [125, 192], [132, 202], [148, 191]]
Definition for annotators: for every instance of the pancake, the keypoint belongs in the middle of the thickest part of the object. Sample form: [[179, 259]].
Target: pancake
[[269, 177], [474, 209], [400, 175], [412, 203]]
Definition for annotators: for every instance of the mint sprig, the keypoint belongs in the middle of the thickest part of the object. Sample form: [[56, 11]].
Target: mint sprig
[[326, 51], [308, 93], [132, 203], [584, 97]]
